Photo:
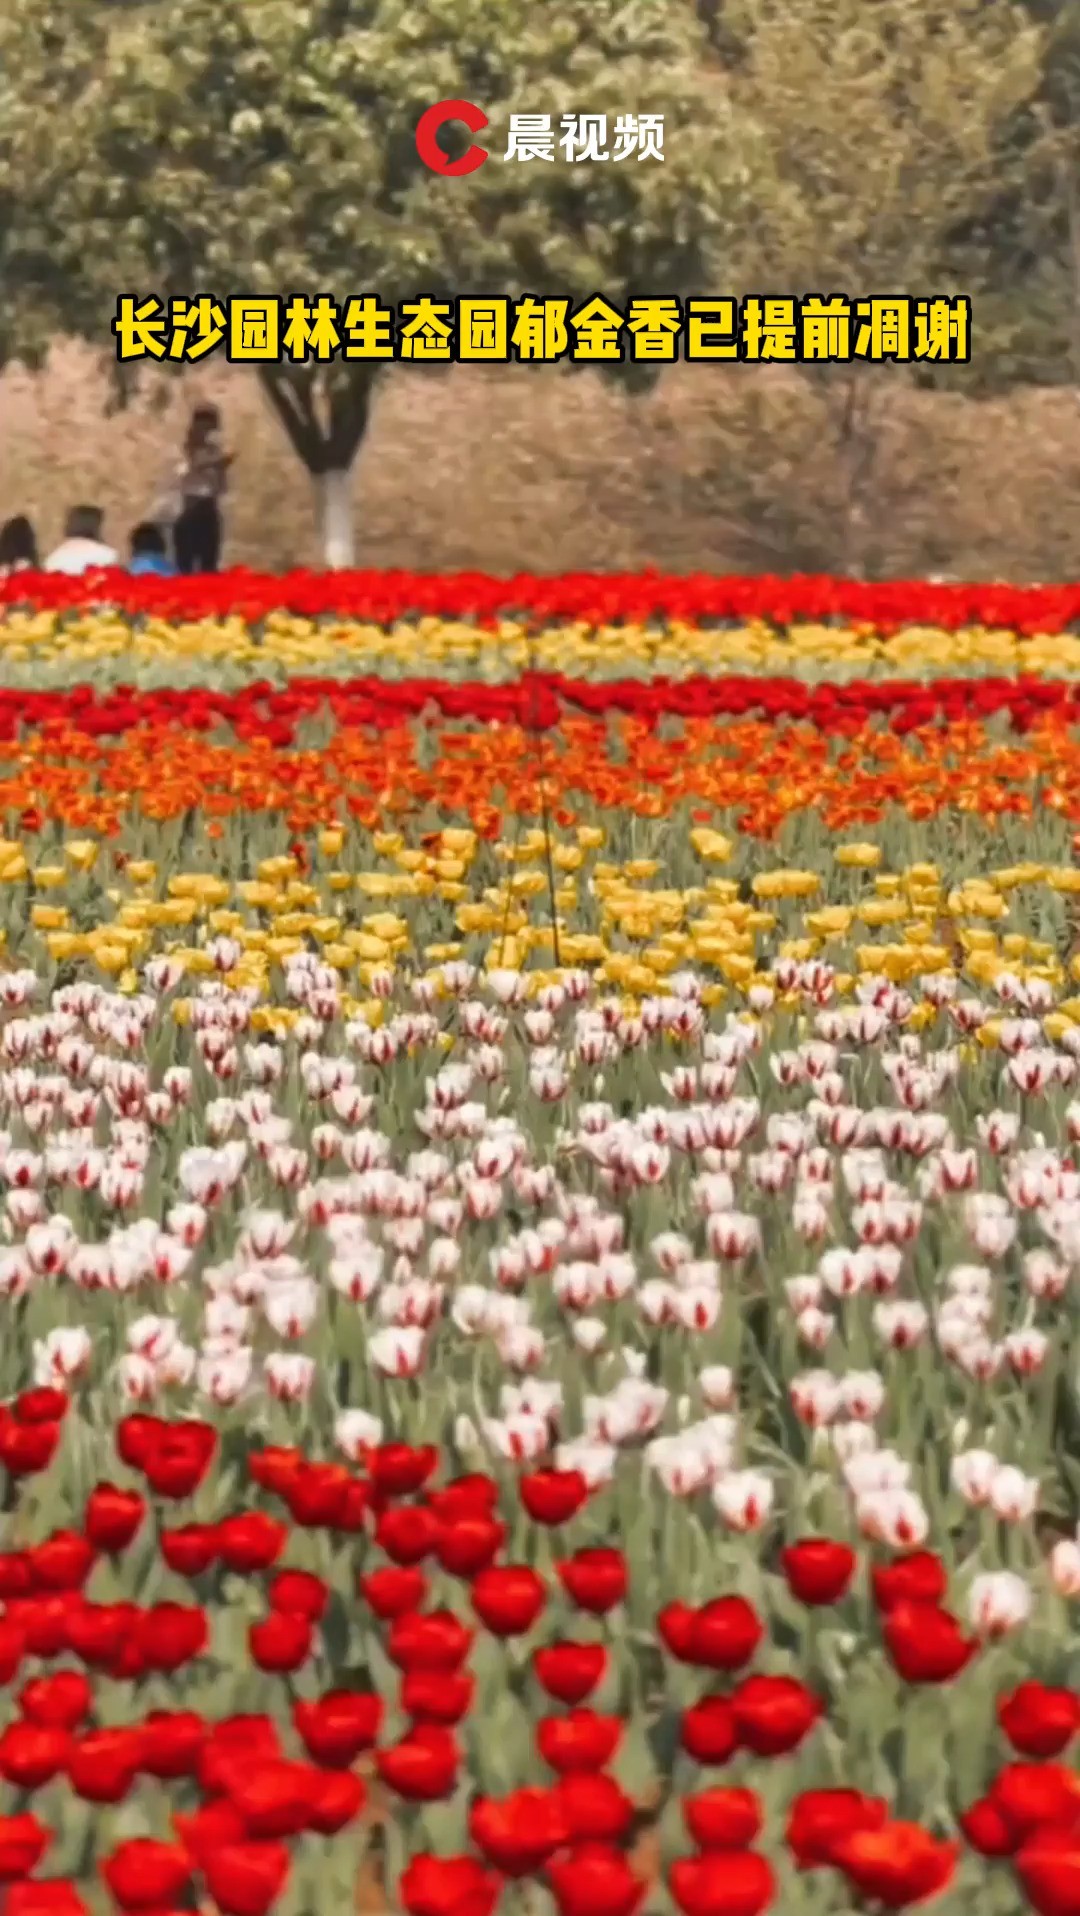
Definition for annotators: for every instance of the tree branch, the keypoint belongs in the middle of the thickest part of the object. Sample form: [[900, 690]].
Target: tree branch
[[349, 395], [291, 392]]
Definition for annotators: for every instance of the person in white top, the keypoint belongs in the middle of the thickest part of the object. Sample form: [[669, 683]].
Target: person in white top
[[82, 548]]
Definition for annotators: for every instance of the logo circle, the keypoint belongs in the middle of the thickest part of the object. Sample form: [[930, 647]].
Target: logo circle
[[440, 115]]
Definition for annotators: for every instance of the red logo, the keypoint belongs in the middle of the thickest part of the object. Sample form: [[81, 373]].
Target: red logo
[[428, 146]]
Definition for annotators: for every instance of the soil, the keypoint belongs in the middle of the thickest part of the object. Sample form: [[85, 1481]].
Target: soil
[[504, 469]]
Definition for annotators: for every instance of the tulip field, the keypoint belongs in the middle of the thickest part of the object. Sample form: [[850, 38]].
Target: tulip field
[[539, 1246]]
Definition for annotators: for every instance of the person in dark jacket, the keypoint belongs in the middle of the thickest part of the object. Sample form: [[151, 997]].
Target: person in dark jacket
[[203, 478]]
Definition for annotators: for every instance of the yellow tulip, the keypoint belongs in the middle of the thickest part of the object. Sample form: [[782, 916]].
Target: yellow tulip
[[861, 856]]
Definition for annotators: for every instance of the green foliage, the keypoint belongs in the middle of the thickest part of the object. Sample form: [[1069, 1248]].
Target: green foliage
[[811, 145], [270, 148], [873, 134], [48, 54]]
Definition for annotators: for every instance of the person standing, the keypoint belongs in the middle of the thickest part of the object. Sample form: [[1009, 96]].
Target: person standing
[[203, 478]]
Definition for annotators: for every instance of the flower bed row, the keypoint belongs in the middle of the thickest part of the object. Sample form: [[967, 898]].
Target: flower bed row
[[538, 702], [50, 649], [535, 1390], [595, 599], [539, 1232], [752, 777]]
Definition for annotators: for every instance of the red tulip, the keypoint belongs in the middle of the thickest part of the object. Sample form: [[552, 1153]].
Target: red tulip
[[282, 1642], [448, 1886], [55, 1898], [774, 1714], [725, 1634], [136, 1437], [393, 1592], [987, 1830], [926, 1644], [1048, 1866], [103, 1765], [26, 1449], [595, 1879], [12, 1646], [172, 1743], [508, 1599], [171, 1635], [338, 1726], [519, 1832], [469, 1544], [300, 1593], [275, 1467], [44, 1622], [63, 1562], [59, 1702], [675, 1626], [236, 1742], [434, 1640], [423, 1766], [144, 1874], [100, 1633], [273, 1796], [1039, 1721], [596, 1580], [722, 1883], [896, 1865], [250, 1542], [553, 1496], [437, 1696], [245, 1879], [582, 1741], [474, 1495], [570, 1671], [23, 1843], [398, 1470], [818, 1818], [918, 1577], [208, 1828], [32, 1755], [16, 1576], [351, 1517], [594, 1807], [112, 1517], [1031, 1796], [177, 1460], [818, 1571], [42, 1404], [708, 1732], [407, 1532], [190, 1550], [337, 1798], [723, 1819]]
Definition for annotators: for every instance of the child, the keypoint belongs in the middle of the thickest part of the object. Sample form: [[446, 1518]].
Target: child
[[149, 553], [203, 478]]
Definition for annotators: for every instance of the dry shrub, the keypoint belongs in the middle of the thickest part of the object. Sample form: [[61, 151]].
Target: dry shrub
[[503, 469]]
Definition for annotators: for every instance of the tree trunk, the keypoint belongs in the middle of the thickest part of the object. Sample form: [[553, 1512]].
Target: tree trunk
[[333, 494], [325, 412], [857, 447]]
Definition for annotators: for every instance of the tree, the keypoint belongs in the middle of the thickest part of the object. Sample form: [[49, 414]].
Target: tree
[[879, 141], [270, 148], [1056, 232], [48, 56]]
